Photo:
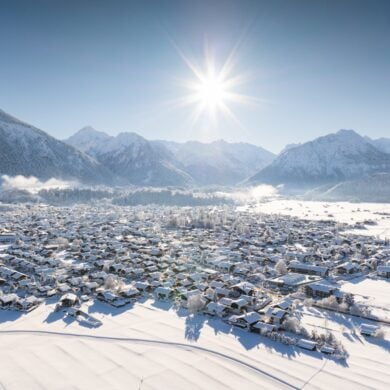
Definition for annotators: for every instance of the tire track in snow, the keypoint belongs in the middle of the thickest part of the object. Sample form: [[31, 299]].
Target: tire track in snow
[[186, 347]]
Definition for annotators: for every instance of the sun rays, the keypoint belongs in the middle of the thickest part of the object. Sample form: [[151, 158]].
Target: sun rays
[[212, 90]]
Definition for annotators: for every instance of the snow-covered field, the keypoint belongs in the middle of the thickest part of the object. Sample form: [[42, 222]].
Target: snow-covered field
[[152, 346], [344, 212], [374, 293]]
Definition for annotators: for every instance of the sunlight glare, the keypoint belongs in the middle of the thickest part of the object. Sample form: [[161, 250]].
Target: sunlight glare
[[211, 92], [211, 89]]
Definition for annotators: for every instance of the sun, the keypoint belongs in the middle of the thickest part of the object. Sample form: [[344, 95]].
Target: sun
[[211, 90]]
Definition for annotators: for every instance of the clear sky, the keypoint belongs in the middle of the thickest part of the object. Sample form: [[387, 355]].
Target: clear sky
[[314, 66]]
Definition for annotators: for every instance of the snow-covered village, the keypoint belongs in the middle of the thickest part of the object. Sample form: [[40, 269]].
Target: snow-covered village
[[297, 287]]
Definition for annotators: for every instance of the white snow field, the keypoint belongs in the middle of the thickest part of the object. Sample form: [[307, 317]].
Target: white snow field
[[345, 212], [371, 292], [153, 346], [375, 293]]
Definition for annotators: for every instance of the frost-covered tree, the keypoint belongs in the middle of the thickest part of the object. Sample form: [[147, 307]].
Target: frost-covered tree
[[296, 303], [349, 300], [380, 333], [195, 304], [106, 266], [330, 302], [62, 242], [281, 267], [77, 243], [210, 293], [364, 252], [292, 324], [330, 339], [360, 310], [308, 302], [113, 283]]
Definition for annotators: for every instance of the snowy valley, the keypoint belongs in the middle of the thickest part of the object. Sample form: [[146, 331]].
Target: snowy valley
[[164, 263]]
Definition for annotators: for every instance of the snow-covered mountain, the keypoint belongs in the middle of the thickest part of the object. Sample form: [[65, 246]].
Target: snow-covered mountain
[[91, 156], [95, 143], [159, 162], [382, 144], [26, 150], [219, 162], [88, 140], [332, 158], [132, 158]]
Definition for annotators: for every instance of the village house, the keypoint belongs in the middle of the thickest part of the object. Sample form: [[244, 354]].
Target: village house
[[290, 282], [321, 290], [7, 238], [368, 329], [217, 308], [163, 293], [111, 298], [246, 320], [347, 268], [383, 271], [276, 315], [307, 344], [306, 268]]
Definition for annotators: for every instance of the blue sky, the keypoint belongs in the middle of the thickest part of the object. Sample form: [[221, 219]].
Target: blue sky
[[315, 66]]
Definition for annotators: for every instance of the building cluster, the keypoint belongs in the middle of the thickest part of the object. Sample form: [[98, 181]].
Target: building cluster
[[244, 267]]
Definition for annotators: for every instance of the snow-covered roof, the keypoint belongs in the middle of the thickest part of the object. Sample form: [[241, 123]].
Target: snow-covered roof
[[347, 266], [368, 329], [308, 267], [251, 317], [216, 307], [263, 326], [307, 344], [285, 303], [322, 287], [163, 290]]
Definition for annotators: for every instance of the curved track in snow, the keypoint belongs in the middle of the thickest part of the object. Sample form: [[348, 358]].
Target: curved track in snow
[[134, 340]]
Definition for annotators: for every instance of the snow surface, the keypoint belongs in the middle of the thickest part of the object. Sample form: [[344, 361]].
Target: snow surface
[[372, 292], [344, 212], [152, 346]]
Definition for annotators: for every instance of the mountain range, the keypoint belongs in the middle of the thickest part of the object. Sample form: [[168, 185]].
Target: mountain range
[[95, 157], [131, 158], [333, 158], [139, 161], [219, 162]]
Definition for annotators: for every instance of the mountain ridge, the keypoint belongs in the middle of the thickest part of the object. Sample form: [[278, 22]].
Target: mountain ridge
[[29, 151], [217, 162], [95, 157], [340, 156]]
